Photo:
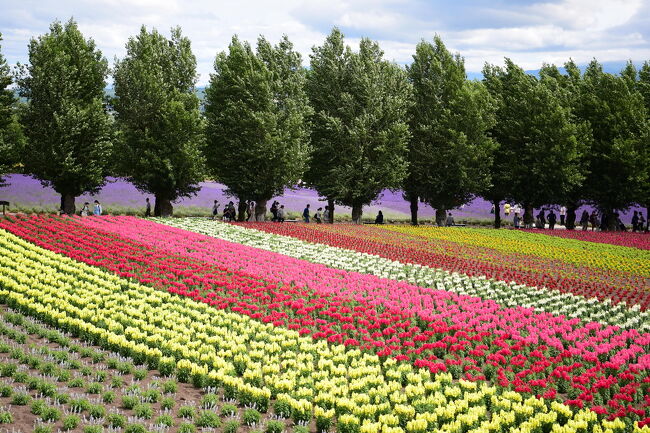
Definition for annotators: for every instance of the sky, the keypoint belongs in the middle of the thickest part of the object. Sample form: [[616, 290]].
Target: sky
[[527, 31]]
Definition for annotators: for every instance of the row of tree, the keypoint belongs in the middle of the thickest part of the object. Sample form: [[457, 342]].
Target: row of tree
[[350, 125]]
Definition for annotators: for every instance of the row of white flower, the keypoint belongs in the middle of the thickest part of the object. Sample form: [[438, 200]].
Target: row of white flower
[[506, 294], [256, 362]]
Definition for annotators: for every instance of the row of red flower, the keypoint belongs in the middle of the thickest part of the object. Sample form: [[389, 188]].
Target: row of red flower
[[604, 368], [624, 239], [472, 261]]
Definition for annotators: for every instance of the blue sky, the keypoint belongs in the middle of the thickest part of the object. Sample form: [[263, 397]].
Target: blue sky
[[529, 32]]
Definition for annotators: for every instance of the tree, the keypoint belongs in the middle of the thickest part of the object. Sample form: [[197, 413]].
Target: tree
[[615, 111], [256, 111], [359, 129], [160, 150], [449, 151], [68, 129], [11, 137], [643, 85], [567, 88], [538, 154]]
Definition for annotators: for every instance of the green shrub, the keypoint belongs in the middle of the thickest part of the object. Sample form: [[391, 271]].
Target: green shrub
[[130, 401], [135, 428], [20, 377], [207, 418], [8, 369], [170, 387], [143, 410], [94, 388], [167, 403], [231, 426], [50, 414], [301, 429], [151, 395], [97, 411], [62, 398], [6, 391], [100, 376], [93, 429], [71, 422], [86, 352], [115, 420], [274, 427], [251, 417], [165, 420], [38, 406], [75, 364], [140, 374], [117, 382], [125, 367], [187, 427], [228, 409], [79, 405], [6, 417], [63, 376], [98, 357], [43, 429], [86, 371], [187, 412], [209, 401], [108, 397], [77, 382]]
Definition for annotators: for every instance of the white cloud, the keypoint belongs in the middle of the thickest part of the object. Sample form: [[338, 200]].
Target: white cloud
[[529, 34]]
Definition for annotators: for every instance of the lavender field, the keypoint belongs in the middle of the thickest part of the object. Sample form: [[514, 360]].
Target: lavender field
[[118, 196]]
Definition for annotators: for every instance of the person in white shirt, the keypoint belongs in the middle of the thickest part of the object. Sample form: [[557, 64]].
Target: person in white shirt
[[562, 214]]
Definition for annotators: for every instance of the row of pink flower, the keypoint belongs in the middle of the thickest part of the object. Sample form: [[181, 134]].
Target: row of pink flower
[[515, 342]]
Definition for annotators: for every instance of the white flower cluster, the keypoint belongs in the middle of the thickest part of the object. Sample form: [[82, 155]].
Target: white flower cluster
[[507, 294]]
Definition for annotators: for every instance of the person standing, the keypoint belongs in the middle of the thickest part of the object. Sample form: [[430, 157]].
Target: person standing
[[326, 214], [562, 215], [281, 214], [635, 221], [317, 215], [450, 220], [506, 210], [542, 219], [274, 211], [215, 209], [380, 218], [584, 220], [98, 208], [305, 214], [516, 220], [85, 210], [147, 211], [551, 220], [250, 212]]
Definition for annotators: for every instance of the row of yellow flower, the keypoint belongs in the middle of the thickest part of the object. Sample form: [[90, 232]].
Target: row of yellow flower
[[556, 248], [256, 362]]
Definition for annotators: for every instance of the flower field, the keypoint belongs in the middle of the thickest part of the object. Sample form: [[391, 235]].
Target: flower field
[[275, 328]]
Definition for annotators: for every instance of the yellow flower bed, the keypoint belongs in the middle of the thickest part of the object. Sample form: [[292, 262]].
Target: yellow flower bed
[[256, 362]]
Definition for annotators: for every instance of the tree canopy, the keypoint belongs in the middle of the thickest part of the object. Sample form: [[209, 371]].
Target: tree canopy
[[538, 154], [161, 130], [450, 150], [359, 129], [11, 137], [68, 129], [257, 129]]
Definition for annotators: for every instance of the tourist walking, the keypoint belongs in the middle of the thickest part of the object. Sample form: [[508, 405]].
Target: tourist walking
[[635, 221], [98, 208], [305, 214], [562, 215], [542, 219], [380, 218], [147, 210], [551, 220], [85, 210]]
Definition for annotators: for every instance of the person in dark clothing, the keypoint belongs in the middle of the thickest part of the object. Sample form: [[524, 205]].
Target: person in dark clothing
[[274, 211], [635, 221], [584, 220], [551, 219], [305, 214], [542, 219], [593, 219], [147, 212], [380, 218]]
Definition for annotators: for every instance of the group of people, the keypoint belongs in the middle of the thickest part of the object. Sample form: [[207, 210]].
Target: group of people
[[85, 209]]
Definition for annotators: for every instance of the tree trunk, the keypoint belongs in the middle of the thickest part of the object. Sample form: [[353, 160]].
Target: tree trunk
[[330, 206], [162, 207], [497, 214], [647, 214], [528, 215], [611, 220], [260, 210], [357, 211], [241, 210], [441, 216], [571, 217], [414, 211], [67, 204]]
